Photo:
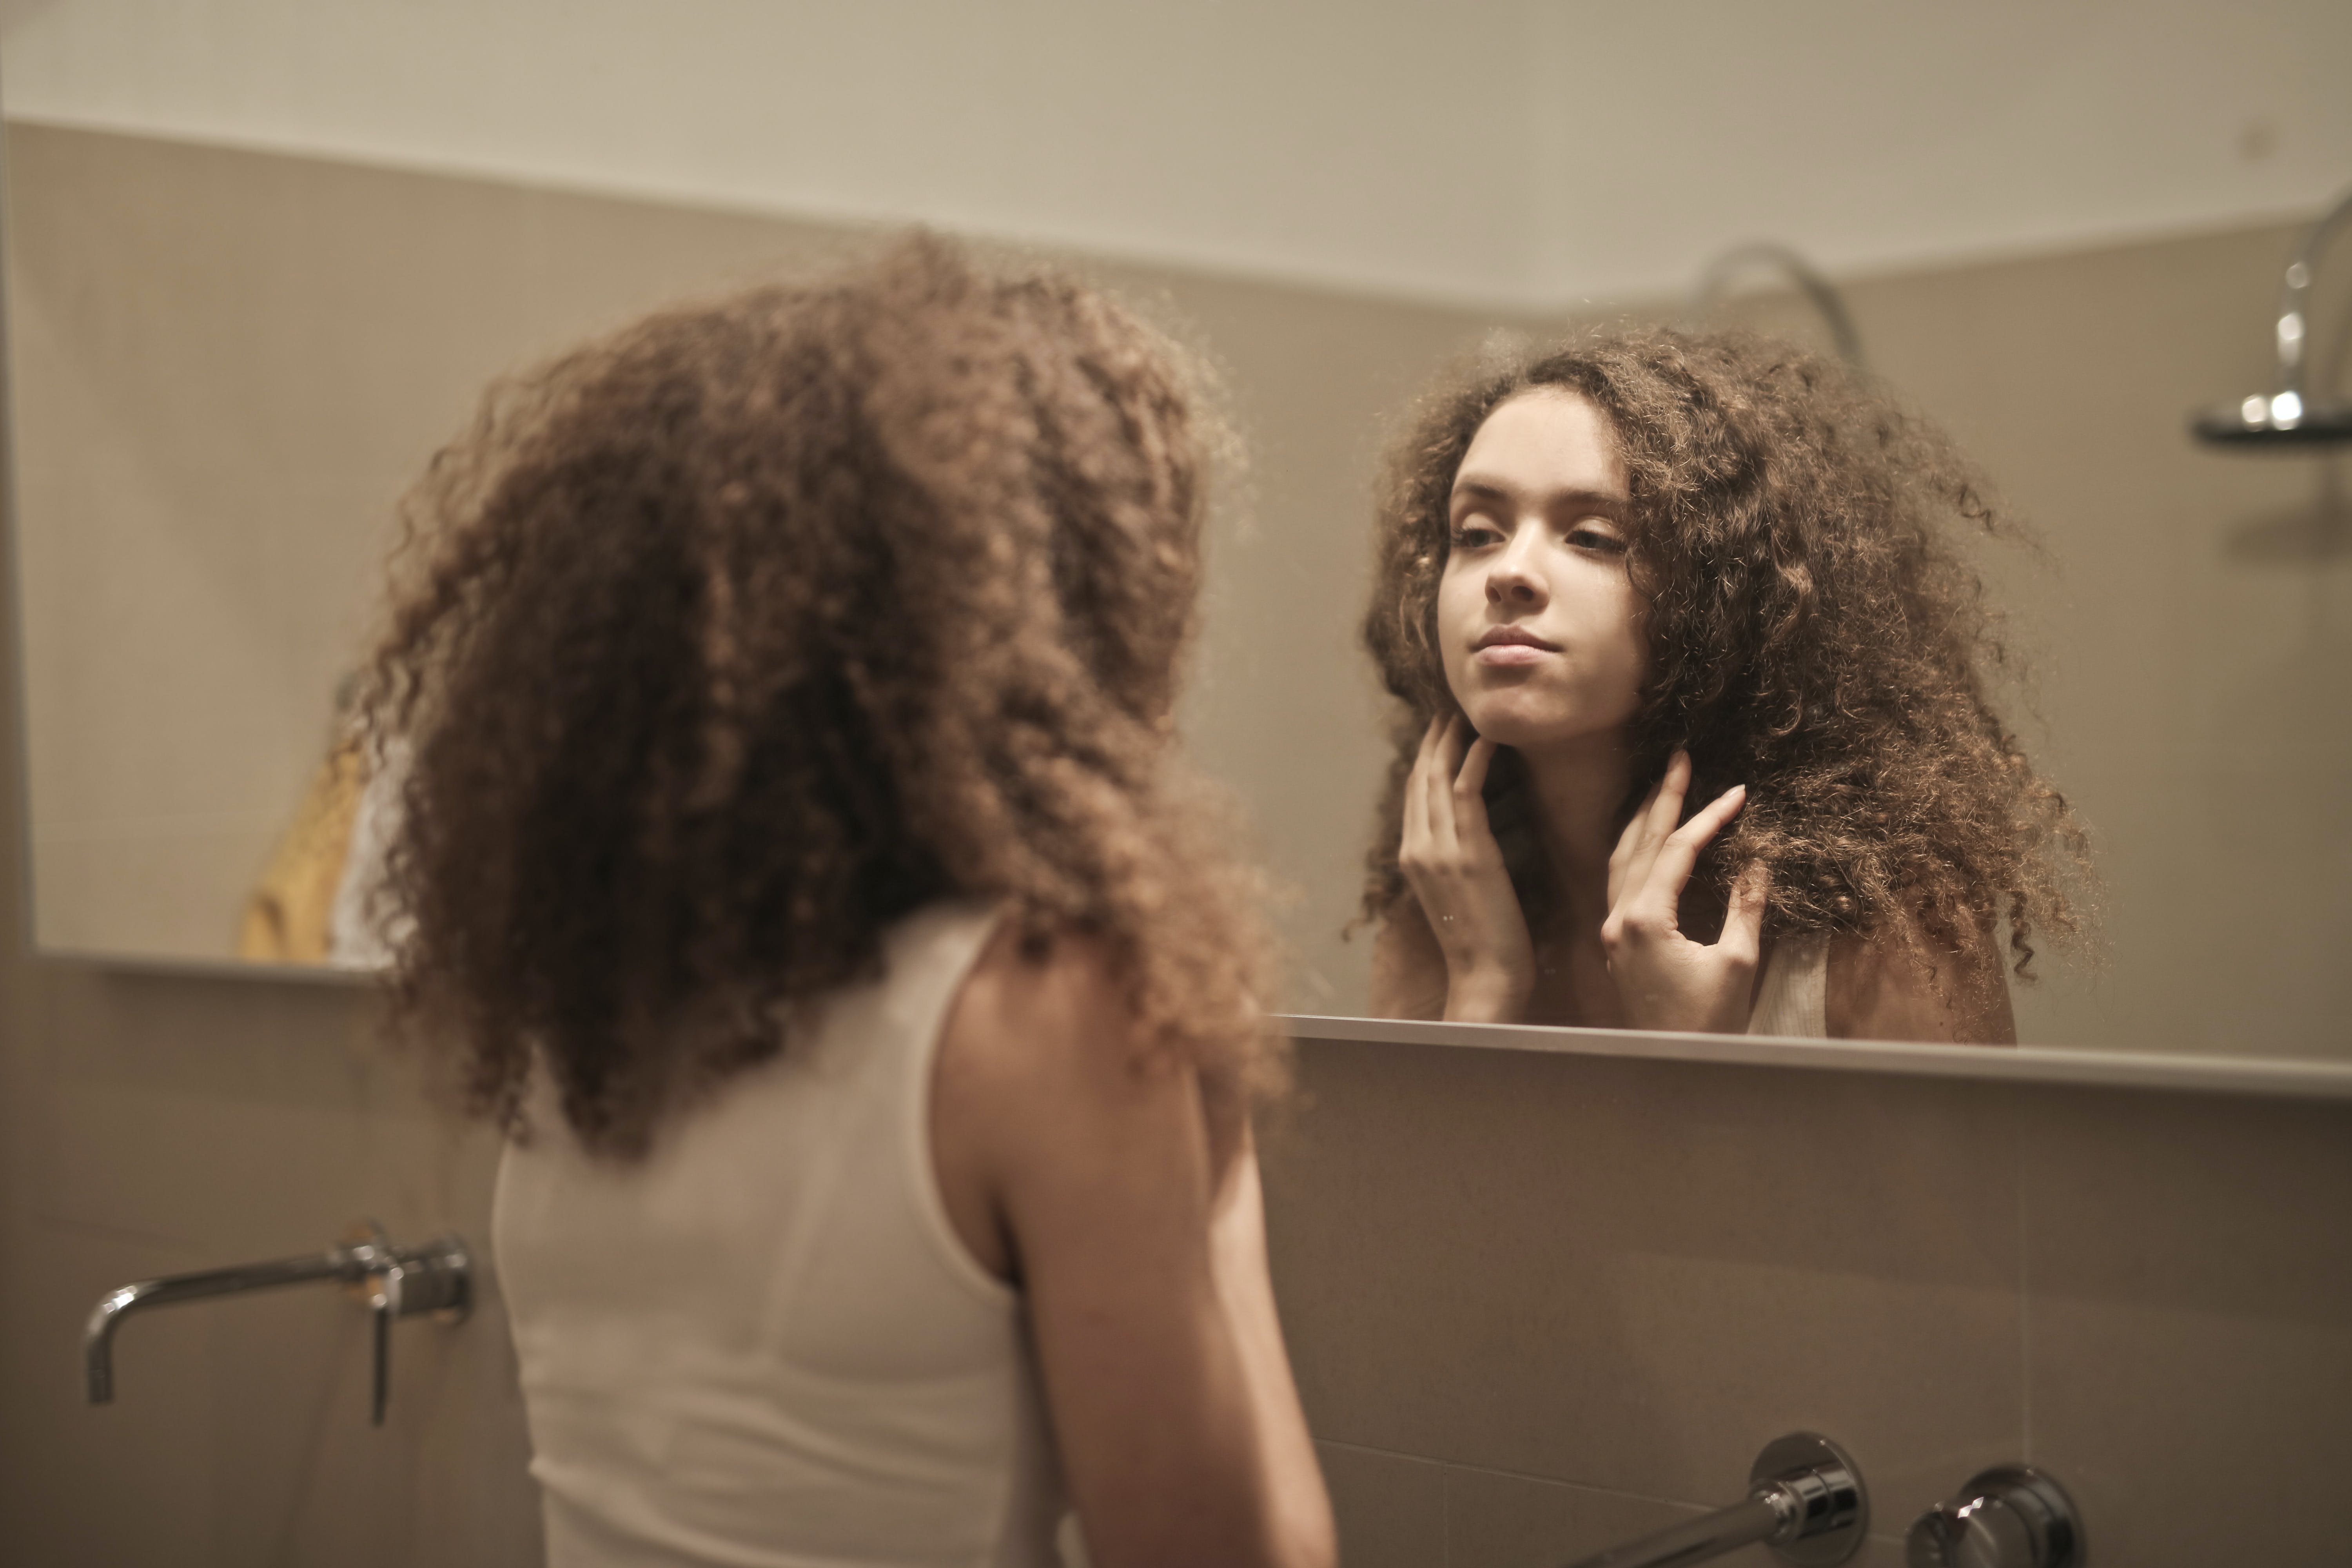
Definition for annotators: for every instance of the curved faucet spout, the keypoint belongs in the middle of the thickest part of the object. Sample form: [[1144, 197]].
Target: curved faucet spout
[[345, 1264]]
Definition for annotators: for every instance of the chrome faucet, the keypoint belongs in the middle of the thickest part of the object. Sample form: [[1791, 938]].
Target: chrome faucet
[[2012, 1516], [392, 1281], [1805, 1500]]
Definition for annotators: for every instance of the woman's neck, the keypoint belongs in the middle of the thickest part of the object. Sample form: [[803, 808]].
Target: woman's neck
[[1577, 786]]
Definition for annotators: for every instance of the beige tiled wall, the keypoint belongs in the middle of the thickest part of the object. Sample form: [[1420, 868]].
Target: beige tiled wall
[[1541, 1302]]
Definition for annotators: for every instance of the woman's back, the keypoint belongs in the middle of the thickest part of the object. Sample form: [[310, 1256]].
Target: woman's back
[[789, 851], [765, 1343]]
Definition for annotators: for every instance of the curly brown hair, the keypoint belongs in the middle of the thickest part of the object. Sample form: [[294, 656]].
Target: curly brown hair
[[741, 633], [1813, 630]]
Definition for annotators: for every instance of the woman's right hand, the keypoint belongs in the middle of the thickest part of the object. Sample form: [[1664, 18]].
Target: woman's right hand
[[1454, 868]]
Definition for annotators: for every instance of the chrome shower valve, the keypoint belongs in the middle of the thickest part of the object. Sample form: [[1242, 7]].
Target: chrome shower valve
[[2012, 1516]]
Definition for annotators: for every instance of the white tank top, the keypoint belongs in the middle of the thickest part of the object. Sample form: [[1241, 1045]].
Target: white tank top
[[1793, 996], [765, 1345]]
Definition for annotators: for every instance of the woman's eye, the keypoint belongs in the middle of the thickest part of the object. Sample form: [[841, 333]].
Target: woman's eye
[[1474, 533], [1599, 539]]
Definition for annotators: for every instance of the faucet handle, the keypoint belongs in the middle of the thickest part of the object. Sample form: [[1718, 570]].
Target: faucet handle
[[2012, 1516], [380, 1314], [404, 1282]]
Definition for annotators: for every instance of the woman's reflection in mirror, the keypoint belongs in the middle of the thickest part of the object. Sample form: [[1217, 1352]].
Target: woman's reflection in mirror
[[1697, 728], [792, 859]]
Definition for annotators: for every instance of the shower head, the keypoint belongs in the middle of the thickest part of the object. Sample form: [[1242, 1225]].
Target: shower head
[[2289, 416], [1715, 285]]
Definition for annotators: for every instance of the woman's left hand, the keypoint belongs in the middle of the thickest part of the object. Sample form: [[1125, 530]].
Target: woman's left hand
[[1665, 979]]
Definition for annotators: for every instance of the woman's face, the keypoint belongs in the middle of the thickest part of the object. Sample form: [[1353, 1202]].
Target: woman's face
[[1537, 615]]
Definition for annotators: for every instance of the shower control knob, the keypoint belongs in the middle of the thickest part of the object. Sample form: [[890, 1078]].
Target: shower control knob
[[2011, 1515]]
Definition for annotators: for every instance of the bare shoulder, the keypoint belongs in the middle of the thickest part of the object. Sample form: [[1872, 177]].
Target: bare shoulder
[[1037, 1043], [1021, 1013], [1902, 986], [1408, 967], [1036, 1060]]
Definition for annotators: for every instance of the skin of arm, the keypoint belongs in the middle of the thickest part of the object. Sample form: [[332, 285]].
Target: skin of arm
[[1409, 976], [1123, 1196]]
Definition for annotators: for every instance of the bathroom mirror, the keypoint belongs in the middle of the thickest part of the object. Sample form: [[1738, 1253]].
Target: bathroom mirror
[[260, 264]]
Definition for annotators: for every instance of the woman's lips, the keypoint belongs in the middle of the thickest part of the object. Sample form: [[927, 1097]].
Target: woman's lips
[[1511, 655]]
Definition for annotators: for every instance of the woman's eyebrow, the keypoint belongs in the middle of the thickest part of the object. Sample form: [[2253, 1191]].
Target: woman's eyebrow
[[1599, 503], [1472, 486]]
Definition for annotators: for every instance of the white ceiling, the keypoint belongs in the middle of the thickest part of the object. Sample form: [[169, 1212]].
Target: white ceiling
[[1522, 152]]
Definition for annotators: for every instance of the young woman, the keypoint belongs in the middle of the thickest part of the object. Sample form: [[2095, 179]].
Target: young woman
[[1697, 732], [788, 851]]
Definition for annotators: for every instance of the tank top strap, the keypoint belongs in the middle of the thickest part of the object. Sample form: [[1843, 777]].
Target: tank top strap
[[1792, 999], [926, 957], [930, 954]]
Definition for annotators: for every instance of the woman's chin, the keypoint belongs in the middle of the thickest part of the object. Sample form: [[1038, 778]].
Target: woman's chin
[[1510, 724], [1505, 728]]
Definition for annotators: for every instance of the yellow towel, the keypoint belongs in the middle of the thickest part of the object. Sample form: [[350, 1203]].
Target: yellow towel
[[287, 913]]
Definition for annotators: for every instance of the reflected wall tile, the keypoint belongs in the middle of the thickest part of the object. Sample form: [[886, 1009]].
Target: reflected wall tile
[[1632, 1275], [1390, 1509], [2190, 1368]]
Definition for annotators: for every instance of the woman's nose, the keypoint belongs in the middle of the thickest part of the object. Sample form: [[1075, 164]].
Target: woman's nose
[[1513, 581]]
